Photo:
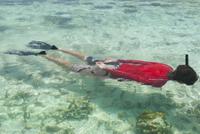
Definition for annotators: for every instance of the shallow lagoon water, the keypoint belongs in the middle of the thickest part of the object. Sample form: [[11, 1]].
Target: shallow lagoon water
[[40, 97]]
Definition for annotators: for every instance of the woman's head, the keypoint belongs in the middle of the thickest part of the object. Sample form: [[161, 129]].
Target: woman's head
[[185, 74]]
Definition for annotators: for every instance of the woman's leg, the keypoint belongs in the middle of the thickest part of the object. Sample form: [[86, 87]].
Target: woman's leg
[[46, 46], [58, 61], [79, 55], [90, 60], [78, 68]]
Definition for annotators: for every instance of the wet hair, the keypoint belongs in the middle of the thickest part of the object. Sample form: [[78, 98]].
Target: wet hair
[[185, 74]]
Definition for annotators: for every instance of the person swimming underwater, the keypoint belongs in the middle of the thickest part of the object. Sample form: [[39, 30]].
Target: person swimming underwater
[[145, 72]]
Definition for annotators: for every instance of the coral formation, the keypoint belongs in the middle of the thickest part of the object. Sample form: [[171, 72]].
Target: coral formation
[[77, 109], [195, 110], [152, 123], [56, 129]]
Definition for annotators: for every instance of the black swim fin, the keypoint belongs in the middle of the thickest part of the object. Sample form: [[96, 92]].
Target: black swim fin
[[41, 45], [25, 53]]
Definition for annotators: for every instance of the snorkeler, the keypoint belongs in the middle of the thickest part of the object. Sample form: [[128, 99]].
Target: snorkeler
[[148, 73]]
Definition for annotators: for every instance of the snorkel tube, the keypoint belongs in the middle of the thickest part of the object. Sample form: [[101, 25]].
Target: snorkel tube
[[186, 60]]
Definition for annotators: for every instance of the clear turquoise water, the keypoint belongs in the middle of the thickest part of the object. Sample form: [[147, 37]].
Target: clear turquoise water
[[33, 90]]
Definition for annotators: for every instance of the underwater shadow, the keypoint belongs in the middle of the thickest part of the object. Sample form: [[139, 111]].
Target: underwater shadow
[[19, 2], [4, 28], [118, 95], [29, 71], [94, 88], [113, 98], [67, 2], [60, 20]]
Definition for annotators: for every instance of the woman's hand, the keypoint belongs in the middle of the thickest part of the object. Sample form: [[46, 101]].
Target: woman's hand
[[101, 65], [107, 60]]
